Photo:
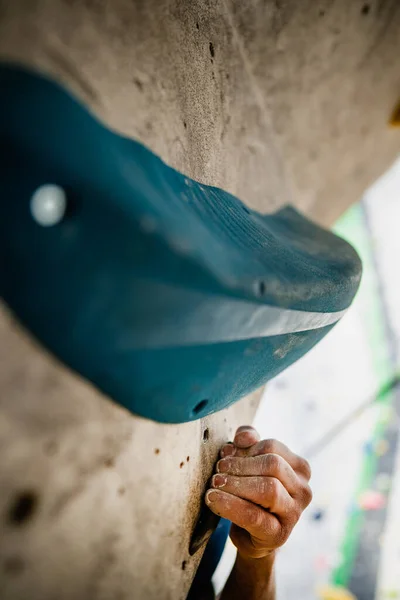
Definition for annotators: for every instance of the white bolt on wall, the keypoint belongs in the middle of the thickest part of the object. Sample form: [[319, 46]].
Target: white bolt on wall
[[48, 204]]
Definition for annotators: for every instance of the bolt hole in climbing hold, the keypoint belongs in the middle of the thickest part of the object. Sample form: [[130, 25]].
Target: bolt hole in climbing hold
[[206, 435], [200, 406], [261, 288], [48, 205]]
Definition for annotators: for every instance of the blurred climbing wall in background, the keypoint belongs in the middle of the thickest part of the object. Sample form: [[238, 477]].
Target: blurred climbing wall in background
[[340, 408]]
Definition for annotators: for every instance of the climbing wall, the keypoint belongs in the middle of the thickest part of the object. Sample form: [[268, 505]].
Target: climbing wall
[[340, 407], [243, 96]]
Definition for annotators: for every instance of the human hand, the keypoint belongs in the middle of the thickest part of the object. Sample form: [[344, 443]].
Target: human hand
[[262, 487]]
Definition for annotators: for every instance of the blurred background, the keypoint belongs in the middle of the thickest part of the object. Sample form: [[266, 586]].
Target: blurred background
[[340, 408]]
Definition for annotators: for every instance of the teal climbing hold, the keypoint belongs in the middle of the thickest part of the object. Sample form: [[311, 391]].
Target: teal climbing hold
[[172, 297]]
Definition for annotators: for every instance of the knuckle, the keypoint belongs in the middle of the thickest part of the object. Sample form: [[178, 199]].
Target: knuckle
[[270, 446], [260, 487], [272, 490], [255, 518], [308, 495], [305, 467], [283, 534], [295, 515], [273, 529], [305, 495], [271, 464]]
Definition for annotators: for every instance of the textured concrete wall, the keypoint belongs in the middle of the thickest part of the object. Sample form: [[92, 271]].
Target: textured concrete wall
[[95, 503], [275, 101]]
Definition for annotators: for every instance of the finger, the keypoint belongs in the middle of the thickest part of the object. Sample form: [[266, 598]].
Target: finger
[[257, 521], [245, 437], [267, 465], [227, 450], [271, 446], [267, 492]]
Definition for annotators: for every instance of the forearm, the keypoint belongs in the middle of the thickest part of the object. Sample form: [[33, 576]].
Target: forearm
[[251, 579]]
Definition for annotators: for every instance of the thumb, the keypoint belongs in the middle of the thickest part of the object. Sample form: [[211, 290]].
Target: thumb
[[245, 437]]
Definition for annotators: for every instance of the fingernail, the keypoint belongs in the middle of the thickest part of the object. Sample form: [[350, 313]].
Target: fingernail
[[218, 481], [228, 450], [223, 465], [211, 496]]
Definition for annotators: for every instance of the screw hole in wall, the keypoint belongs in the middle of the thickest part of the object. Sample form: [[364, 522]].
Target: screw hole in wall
[[23, 507], [200, 406]]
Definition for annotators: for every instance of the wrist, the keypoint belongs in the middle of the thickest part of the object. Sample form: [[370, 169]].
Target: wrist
[[245, 559], [251, 578]]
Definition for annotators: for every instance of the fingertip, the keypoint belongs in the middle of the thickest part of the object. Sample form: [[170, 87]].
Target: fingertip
[[227, 450], [246, 436], [218, 480], [245, 428], [211, 496], [221, 466]]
